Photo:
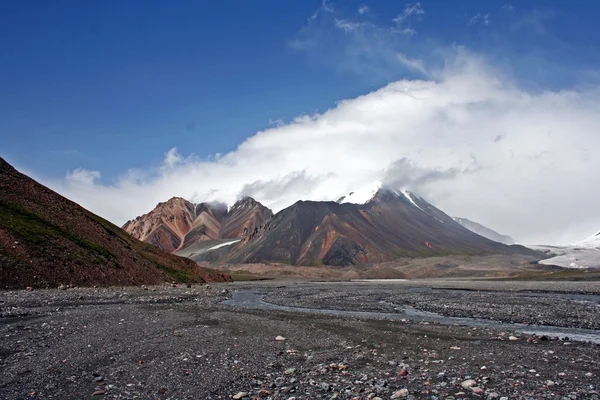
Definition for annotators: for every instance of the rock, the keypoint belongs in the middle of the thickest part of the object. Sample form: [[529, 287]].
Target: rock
[[99, 393], [511, 337], [477, 390], [98, 379], [62, 287], [402, 372], [290, 371], [280, 338], [29, 288], [240, 395], [469, 383], [400, 393]]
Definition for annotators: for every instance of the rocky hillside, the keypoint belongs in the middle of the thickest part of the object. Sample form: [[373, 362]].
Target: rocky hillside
[[47, 240], [178, 224]]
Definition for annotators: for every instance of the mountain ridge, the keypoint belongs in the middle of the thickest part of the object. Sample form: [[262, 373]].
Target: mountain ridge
[[484, 231], [392, 224]]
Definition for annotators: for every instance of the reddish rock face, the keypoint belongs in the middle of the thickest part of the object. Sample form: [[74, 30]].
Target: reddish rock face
[[178, 224], [390, 226], [166, 225], [244, 219], [47, 240]]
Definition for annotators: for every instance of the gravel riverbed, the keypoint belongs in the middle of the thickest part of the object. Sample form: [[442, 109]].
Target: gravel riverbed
[[184, 343]]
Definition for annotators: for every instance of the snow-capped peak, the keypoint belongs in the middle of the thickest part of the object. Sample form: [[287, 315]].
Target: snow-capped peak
[[363, 195]]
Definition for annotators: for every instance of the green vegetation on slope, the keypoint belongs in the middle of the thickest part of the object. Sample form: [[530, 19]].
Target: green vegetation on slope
[[33, 228]]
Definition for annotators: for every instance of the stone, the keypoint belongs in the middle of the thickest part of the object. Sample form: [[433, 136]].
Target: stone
[[280, 338], [469, 383], [400, 393], [99, 393], [240, 395], [290, 371]]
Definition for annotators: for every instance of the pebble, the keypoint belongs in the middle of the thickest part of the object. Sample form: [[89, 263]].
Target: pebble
[[400, 393], [240, 395], [280, 338], [469, 383]]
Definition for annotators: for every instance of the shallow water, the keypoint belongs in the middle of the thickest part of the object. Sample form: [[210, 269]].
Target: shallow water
[[250, 299]]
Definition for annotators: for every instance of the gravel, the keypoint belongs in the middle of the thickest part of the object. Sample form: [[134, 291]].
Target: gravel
[[182, 343]]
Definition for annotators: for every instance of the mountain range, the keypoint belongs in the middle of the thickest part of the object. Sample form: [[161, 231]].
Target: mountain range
[[381, 224], [484, 231], [47, 240]]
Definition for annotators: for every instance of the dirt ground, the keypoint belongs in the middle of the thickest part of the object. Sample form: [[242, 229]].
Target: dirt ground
[[184, 343]]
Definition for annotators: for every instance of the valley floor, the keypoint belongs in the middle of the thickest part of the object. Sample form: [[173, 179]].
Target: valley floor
[[352, 340]]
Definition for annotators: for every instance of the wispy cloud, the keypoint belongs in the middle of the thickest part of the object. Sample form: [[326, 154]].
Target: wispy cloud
[[363, 9], [81, 176], [479, 18], [354, 44], [509, 8], [346, 25], [403, 20], [413, 64]]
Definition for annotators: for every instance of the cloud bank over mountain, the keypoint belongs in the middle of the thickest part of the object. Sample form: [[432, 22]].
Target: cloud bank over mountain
[[460, 131], [472, 143]]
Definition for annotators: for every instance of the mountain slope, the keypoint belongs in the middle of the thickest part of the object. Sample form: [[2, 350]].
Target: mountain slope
[[184, 228], [46, 240], [245, 218], [484, 231], [392, 224], [166, 225]]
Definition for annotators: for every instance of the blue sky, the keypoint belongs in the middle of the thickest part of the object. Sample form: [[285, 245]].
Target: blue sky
[[107, 88], [112, 85]]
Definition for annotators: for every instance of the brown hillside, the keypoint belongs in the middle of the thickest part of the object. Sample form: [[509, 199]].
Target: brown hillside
[[47, 240]]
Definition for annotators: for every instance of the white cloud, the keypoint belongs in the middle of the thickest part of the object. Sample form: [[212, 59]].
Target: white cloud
[[363, 9], [413, 64], [172, 158], [471, 142], [81, 176], [479, 18], [410, 10], [346, 25]]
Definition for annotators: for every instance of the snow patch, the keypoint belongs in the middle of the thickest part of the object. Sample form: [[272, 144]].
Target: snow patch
[[407, 194], [362, 196], [223, 245]]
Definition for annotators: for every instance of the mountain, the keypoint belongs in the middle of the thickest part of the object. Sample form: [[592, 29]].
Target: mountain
[[484, 231], [390, 225], [184, 228], [47, 240]]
